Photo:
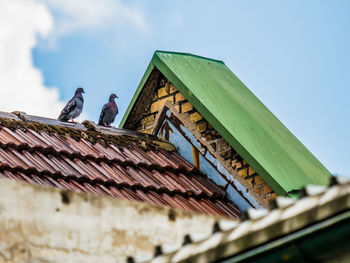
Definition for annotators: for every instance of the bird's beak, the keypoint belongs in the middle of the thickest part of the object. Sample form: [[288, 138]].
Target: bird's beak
[[117, 96]]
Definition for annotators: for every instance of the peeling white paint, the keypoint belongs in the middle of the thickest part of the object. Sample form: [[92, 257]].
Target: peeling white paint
[[36, 226]]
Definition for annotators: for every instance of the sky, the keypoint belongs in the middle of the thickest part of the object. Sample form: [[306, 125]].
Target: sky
[[293, 55]]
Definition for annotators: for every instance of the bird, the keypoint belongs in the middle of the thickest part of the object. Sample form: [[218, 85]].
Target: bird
[[74, 106], [109, 111]]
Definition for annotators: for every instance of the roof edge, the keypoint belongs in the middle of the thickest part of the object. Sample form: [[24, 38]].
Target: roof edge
[[323, 221]]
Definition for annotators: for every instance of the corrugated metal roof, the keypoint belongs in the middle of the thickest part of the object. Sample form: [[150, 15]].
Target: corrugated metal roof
[[240, 117], [117, 163], [312, 229]]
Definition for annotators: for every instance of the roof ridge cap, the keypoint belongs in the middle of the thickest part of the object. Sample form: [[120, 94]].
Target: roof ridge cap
[[87, 130], [188, 54]]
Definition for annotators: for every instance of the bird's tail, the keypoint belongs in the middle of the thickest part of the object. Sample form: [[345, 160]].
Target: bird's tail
[[63, 118]]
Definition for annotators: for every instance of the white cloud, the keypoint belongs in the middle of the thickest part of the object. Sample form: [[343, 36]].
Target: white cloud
[[21, 21], [21, 84], [71, 16]]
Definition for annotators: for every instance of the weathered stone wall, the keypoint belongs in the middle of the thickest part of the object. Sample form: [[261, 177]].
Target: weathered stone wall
[[40, 224], [164, 91]]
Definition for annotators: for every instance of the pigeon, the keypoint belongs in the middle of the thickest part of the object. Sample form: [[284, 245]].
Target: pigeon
[[109, 111], [74, 107]]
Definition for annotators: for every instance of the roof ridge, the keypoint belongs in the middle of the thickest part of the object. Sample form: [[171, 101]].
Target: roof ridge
[[188, 54], [87, 130]]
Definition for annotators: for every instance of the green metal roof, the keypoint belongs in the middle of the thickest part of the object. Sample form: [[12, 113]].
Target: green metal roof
[[241, 118]]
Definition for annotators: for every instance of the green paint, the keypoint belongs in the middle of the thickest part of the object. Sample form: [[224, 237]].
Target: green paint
[[241, 118]]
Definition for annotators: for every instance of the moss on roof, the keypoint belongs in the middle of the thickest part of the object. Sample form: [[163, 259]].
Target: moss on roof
[[89, 133]]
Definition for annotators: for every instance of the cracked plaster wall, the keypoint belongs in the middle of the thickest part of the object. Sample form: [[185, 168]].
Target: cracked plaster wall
[[39, 224]]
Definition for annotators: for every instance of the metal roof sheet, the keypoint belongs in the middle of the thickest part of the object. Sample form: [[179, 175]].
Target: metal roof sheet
[[241, 118], [316, 225]]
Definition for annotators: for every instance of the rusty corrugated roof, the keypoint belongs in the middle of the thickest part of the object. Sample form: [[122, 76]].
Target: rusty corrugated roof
[[105, 161]]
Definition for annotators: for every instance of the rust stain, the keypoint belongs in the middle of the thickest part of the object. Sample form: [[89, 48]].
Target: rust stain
[[195, 156]]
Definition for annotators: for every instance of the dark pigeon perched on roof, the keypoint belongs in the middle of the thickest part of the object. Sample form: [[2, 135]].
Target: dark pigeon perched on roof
[[109, 111], [74, 107]]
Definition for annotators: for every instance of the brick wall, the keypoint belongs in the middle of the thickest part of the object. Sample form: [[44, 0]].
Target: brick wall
[[165, 91]]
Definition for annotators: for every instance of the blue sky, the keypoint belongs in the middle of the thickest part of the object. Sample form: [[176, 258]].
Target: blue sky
[[293, 55]]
